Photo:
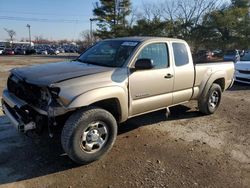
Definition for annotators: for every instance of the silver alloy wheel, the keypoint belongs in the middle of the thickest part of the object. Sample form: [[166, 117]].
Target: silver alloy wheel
[[94, 137], [214, 99]]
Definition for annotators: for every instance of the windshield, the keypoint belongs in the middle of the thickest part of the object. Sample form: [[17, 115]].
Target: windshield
[[246, 57], [112, 53]]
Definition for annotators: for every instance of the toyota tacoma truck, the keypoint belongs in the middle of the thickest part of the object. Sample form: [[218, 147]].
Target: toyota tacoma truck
[[112, 81]]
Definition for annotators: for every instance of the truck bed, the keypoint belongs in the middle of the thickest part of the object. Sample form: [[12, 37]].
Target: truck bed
[[203, 71]]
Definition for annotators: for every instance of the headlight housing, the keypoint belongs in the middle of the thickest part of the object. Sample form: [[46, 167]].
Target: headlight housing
[[45, 98], [54, 91]]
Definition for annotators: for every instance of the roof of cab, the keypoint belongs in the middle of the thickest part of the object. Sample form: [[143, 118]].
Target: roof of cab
[[143, 39]]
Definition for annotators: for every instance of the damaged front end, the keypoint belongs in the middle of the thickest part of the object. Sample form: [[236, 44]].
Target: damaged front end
[[31, 107]]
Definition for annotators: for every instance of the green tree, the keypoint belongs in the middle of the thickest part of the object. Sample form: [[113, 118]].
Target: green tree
[[111, 17], [144, 27], [231, 24], [242, 10], [240, 3]]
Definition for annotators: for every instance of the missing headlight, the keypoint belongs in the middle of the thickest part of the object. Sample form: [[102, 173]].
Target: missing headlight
[[54, 91], [45, 95]]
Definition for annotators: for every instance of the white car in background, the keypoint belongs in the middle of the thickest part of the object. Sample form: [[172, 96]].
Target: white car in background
[[44, 52], [1, 50], [242, 69]]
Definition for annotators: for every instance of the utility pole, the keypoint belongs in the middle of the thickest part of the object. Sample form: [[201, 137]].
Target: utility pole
[[116, 12], [29, 33], [91, 28]]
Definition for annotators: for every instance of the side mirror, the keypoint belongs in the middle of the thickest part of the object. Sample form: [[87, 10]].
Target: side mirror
[[142, 64]]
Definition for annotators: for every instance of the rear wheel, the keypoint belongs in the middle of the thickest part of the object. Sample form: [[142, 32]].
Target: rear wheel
[[89, 134], [209, 102]]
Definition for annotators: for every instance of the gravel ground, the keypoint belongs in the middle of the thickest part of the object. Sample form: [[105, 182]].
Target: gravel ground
[[185, 150]]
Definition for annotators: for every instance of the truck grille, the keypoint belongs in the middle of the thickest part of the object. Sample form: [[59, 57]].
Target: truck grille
[[27, 92]]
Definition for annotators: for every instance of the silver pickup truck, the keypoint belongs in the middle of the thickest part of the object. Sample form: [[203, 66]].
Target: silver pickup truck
[[112, 81]]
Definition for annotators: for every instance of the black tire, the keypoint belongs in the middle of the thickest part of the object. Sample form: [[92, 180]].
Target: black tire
[[205, 103], [81, 122]]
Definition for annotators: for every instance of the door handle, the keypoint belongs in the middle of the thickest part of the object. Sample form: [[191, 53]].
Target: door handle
[[169, 76]]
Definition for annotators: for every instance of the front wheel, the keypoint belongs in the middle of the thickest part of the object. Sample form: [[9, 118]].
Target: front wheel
[[89, 134], [209, 102]]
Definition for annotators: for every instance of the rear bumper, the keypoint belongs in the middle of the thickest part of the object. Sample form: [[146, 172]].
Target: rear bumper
[[18, 112]]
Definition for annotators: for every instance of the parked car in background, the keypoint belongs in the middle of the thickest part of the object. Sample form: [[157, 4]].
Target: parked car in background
[[42, 52], [1, 50], [232, 55], [20, 51], [217, 53], [242, 53], [242, 69], [52, 51], [203, 55], [8, 51], [30, 51], [57, 51], [61, 50]]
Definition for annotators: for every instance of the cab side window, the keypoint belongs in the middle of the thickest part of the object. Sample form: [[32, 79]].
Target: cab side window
[[180, 54], [158, 52]]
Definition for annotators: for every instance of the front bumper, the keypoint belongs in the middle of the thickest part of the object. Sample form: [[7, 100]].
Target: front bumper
[[18, 112], [243, 78]]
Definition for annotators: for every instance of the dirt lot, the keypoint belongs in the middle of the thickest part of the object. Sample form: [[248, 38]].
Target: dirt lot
[[185, 150]]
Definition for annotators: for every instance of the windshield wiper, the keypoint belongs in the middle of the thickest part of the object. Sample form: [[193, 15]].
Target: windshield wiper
[[78, 59], [83, 61], [86, 62]]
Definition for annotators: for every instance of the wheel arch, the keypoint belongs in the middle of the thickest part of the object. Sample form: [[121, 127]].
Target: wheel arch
[[112, 105], [218, 78], [221, 83], [113, 99]]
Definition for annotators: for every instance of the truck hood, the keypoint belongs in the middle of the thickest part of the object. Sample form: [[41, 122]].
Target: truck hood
[[46, 74]]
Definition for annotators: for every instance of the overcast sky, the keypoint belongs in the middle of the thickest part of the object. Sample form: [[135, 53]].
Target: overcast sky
[[52, 19]]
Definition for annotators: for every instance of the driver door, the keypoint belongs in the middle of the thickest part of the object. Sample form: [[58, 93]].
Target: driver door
[[152, 89]]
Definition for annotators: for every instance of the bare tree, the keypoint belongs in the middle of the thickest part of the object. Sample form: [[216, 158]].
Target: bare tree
[[146, 14], [88, 40], [180, 17], [169, 10], [11, 33], [151, 11], [188, 13], [23, 39], [39, 39], [170, 14], [157, 11], [192, 11], [133, 16]]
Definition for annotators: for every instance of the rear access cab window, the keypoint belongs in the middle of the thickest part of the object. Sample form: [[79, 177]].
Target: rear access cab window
[[180, 54]]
